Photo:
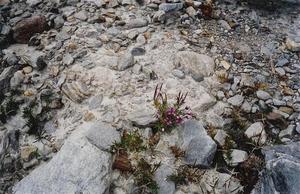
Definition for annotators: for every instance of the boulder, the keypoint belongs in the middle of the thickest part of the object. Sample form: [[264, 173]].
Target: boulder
[[282, 172], [81, 166], [27, 27]]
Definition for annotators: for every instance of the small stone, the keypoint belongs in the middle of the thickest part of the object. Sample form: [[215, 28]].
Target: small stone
[[40, 63], [236, 100], [81, 15], [159, 16], [142, 117], [292, 45], [95, 102], [224, 24], [137, 23], [263, 95], [170, 7], [27, 69], [220, 137], [235, 157], [125, 61], [281, 62], [68, 60], [30, 164], [225, 64], [286, 109], [138, 51], [179, 74], [246, 106], [161, 176], [191, 11], [288, 132], [280, 71], [277, 102], [88, 116], [59, 22], [28, 152], [298, 128], [17, 79], [257, 133]]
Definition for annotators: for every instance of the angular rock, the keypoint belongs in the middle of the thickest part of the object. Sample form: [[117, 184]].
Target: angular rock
[[236, 100], [263, 95], [200, 148], [137, 23], [235, 157], [282, 173], [126, 61], [257, 133], [76, 91], [79, 167], [161, 175], [142, 116], [28, 152], [5, 77], [194, 63], [220, 137], [27, 27], [170, 7]]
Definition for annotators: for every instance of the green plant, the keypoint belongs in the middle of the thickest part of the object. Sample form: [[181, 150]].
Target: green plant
[[143, 176], [170, 115], [130, 141], [8, 108], [186, 174], [33, 122]]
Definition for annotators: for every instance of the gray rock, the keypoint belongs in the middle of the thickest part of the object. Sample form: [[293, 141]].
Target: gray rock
[[169, 7], [68, 59], [125, 61], [98, 3], [102, 135], [58, 22], [298, 128], [191, 11], [288, 132], [178, 73], [200, 148], [263, 95], [17, 79], [220, 137], [280, 71], [5, 77], [236, 100], [81, 15], [142, 116], [236, 157], [224, 24], [281, 62], [159, 16], [95, 102], [165, 186], [257, 133], [79, 166], [137, 23], [282, 173], [194, 63]]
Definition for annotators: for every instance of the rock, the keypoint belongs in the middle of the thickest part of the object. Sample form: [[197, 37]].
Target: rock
[[220, 137], [235, 157], [170, 7], [81, 15], [257, 133], [68, 59], [191, 12], [224, 24], [293, 44], [98, 3], [59, 22], [79, 167], [178, 73], [199, 147], [28, 152], [159, 16], [282, 62], [33, 3], [161, 175], [30, 164], [280, 71], [9, 141], [137, 23], [95, 102], [27, 27], [138, 51], [236, 100], [142, 116], [102, 135], [194, 63], [17, 79], [298, 128], [125, 61], [76, 91], [282, 170], [263, 95], [288, 132], [5, 77], [40, 63], [27, 70]]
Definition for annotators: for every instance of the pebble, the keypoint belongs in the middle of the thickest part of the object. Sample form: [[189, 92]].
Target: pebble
[[235, 157], [263, 95], [257, 133], [236, 100], [170, 7], [178, 73], [81, 15]]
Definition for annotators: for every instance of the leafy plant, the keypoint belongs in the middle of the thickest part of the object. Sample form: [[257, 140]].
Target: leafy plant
[[130, 141], [186, 174], [33, 122], [8, 109], [170, 115]]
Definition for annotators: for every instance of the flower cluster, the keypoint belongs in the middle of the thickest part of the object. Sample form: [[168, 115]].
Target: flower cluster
[[170, 115]]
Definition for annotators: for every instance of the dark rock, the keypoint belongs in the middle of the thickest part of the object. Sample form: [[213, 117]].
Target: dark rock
[[40, 63], [26, 28], [282, 173], [137, 51]]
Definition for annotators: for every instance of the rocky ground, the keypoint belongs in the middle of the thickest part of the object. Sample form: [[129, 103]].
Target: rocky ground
[[77, 80]]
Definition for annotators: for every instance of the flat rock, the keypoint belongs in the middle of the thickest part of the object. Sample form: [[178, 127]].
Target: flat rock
[[165, 186], [235, 157], [79, 167], [142, 116], [170, 7], [194, 63], [257, 133], [236, 100]]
